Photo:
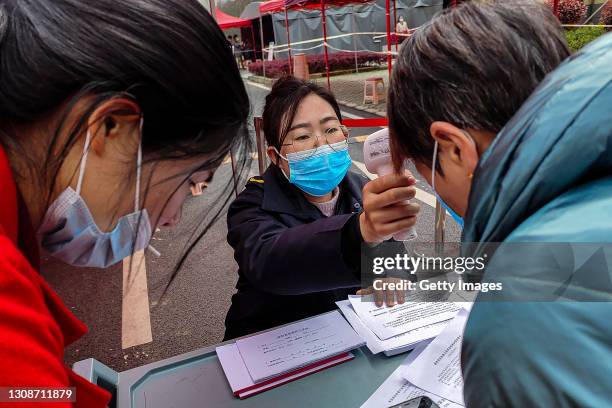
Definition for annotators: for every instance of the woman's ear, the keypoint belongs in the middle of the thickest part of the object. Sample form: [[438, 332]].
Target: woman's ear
[[272, 155], [455, 145], [113, 120]]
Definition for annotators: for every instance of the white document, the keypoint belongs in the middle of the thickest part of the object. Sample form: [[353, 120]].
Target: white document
[[234, 368], [463, 298], [387, 322], [403, 341], [240, 381], [295, 345], [396, 389], [438, 368]]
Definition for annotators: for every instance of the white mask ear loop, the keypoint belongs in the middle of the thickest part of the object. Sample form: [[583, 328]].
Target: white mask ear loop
[[280, 155], [138, 175], [433, 167], [138, 167], [287, 160], [83, 161], [435, 157]]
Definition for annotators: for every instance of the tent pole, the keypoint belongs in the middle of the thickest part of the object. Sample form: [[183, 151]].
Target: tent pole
[[325, 42], [263, 57], [388, 18], [288, 42], [354, 39], [395, 22], [253, 42]]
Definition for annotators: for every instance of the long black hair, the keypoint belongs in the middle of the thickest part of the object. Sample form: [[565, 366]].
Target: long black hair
[[169, 56]]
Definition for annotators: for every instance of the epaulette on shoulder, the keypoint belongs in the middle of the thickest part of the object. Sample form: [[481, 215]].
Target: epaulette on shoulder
[[255, 180]]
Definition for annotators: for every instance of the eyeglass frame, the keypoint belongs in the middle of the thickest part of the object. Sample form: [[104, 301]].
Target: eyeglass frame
[[344, 129]]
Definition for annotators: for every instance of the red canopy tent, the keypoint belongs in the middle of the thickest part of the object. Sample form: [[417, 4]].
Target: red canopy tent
[[226, 21], [271, 6], [274, 6]]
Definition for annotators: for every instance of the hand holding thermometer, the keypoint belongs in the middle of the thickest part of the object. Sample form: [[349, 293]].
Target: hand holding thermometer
[[377, 158]]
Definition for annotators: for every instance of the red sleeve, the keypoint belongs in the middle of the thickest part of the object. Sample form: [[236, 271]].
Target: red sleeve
[[31, 342]]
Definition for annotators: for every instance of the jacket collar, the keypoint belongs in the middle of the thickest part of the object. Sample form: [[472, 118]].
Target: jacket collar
[[15, 221], [283, 197], [9, 225]]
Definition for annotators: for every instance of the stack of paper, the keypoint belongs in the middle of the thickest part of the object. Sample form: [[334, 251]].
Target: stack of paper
[[397, 329], [438, 368], [431, 371], [267, 360]]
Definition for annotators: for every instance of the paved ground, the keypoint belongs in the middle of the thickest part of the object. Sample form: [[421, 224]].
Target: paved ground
[[348, 89], [191, 313]]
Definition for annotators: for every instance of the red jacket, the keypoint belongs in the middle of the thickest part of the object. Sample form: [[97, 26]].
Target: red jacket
[[35, 325]]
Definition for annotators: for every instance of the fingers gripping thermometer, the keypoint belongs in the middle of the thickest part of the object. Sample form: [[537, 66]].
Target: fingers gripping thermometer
[[377, 158]]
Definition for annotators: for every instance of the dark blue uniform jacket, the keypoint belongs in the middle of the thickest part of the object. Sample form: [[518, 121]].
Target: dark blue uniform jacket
[[293, 261]]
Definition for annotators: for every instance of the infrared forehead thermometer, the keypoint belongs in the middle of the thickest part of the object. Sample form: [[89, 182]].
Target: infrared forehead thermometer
[[377, 158]]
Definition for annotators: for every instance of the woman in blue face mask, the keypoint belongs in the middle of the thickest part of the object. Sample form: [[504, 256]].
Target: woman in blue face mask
[[110, 112], [297, 230]]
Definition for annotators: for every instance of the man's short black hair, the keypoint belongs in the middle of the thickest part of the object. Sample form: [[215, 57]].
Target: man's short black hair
[[473, 66]]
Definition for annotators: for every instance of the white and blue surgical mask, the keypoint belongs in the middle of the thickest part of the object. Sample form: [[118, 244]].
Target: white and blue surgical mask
[[453, 214], [69, 231], [318, 171]]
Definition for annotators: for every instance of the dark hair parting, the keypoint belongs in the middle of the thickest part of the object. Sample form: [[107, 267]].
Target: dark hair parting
[[473, 66]]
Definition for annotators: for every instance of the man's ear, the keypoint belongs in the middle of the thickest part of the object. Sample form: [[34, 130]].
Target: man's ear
[[455, 145], [114, 119]]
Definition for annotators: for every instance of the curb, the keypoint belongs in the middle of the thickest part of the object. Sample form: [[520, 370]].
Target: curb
[[260, 80], [374, 110], [318, 75]]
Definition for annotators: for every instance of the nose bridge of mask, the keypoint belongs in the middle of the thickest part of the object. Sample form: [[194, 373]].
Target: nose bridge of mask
[[318, 151], [286, 158]]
